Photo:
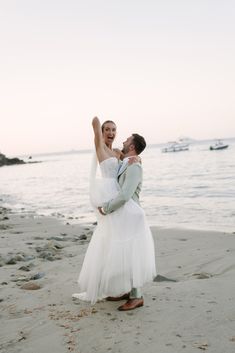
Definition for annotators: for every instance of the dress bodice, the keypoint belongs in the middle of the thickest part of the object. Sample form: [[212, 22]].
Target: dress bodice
[[109, 167]]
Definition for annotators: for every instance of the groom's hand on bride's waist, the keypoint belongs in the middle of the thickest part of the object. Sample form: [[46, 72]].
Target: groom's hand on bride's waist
[[101, 211]]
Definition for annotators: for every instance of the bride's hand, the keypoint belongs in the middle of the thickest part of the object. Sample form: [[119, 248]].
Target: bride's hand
[[134, 159]]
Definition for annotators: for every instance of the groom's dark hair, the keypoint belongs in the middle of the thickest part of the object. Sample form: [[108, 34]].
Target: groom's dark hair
[[139, 143]]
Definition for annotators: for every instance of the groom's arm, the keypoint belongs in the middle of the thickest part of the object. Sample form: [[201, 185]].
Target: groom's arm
[[133, 178]]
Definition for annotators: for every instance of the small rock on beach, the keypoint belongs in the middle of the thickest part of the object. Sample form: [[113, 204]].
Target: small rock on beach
[[30, 286]]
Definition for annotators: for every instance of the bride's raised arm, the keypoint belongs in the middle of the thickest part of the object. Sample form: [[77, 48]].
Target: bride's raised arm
[[98, 134], [99, 142]]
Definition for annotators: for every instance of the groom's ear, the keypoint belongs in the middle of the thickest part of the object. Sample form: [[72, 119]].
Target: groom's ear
[[132, 147]]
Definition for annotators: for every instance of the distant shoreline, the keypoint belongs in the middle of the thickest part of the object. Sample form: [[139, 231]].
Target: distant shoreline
[[7, 162], [90, 150]]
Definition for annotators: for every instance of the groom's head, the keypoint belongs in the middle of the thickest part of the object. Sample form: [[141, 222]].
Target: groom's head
[[135, 144]]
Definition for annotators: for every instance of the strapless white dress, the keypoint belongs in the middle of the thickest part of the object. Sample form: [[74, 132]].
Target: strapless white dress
[[120, 255]]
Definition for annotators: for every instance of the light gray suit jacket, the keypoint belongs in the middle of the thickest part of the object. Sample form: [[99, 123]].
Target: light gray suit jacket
[[130, 181]]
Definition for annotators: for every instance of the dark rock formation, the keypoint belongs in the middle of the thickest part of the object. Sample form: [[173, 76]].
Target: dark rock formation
[[9, 161], [160, 278]]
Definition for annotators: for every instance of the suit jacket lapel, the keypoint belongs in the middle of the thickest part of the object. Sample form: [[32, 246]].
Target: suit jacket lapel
[[123, 168]]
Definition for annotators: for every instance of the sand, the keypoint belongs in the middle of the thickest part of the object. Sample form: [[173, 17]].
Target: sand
[[194, 312]]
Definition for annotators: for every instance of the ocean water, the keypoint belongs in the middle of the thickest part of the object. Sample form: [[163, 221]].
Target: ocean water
[[190, 189]]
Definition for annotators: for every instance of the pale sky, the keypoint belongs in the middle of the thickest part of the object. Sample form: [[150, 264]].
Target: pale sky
[[162, 68]]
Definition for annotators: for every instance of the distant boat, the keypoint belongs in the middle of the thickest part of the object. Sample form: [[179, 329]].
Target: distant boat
[[218, 145], [176, 146]]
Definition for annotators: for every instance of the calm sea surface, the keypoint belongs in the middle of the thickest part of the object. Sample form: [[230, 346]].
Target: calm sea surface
[[191, 189]]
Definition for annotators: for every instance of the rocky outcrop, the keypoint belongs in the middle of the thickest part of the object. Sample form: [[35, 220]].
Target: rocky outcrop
[[9, 161]]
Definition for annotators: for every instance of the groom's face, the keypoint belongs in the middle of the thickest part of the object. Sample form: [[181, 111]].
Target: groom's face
[[127, 145]]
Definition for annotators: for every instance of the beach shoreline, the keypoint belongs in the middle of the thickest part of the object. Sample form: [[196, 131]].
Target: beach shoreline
[[190, 309]]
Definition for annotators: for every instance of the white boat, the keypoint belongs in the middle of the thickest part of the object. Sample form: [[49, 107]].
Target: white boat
[[175, 146], [218, 145]]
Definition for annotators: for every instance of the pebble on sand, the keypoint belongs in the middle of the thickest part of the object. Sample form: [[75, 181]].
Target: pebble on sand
[[30, 286]]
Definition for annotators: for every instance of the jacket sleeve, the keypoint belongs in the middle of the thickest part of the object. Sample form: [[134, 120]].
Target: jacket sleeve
[[133, 178]]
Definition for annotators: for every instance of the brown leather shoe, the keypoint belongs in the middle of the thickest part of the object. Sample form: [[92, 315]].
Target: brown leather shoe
[[116, 299], [132, 304]]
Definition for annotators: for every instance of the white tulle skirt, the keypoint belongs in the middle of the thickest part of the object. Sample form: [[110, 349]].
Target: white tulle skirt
[[120, 255]]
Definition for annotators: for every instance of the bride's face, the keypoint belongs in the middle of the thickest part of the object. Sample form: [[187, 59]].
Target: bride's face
[[109, 133]]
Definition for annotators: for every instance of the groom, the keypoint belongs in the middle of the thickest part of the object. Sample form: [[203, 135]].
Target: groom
[[130, 180]]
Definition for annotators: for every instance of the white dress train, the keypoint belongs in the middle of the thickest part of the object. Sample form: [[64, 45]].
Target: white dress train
[[120, 255]]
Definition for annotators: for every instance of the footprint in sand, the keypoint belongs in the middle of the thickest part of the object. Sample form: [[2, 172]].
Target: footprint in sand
[[202, 275]]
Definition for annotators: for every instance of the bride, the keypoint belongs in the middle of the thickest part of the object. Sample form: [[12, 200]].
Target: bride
[[120, 255]]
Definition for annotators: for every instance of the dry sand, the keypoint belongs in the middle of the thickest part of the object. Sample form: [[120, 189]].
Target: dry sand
[[197, 312]]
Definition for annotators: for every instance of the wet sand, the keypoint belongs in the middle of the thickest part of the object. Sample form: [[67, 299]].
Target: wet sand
[[188, 308]]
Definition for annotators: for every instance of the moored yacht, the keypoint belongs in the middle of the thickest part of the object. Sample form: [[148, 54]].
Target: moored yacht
[[218, 145], [175, 146]]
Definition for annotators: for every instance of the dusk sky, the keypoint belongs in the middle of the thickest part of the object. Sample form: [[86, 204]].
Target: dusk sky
[[160, 68]]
